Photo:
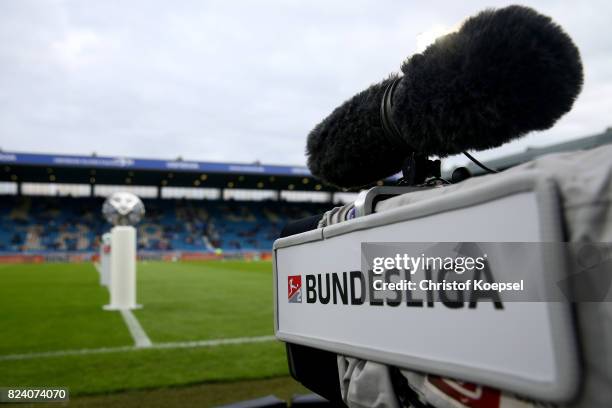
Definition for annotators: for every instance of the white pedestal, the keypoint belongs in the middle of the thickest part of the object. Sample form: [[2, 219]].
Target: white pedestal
[[105, 251], [122, 286]]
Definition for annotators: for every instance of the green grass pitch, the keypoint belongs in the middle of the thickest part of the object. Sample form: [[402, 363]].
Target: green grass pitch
[[52, 307]]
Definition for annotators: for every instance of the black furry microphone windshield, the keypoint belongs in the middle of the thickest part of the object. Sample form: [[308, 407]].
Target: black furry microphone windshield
[[504, 73]]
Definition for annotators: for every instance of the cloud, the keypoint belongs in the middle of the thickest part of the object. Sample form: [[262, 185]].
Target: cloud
[[231, 81]]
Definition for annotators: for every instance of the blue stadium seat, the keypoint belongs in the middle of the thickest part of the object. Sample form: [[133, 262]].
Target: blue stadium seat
[[30, 224]]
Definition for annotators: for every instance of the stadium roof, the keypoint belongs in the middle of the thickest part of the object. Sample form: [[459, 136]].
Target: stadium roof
[[32, 159], [531, 153], [44, 168]]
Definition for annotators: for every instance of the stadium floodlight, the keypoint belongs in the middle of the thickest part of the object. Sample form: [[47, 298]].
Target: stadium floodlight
[[123, 210]]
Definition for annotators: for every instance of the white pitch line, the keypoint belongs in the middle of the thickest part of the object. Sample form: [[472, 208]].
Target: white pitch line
[[138, 334], [172, 345]]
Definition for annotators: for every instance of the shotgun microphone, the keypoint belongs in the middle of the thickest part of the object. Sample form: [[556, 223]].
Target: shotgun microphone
[[506, 72]]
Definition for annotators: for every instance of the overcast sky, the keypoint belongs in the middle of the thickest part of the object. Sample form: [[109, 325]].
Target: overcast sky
[[233, 80]]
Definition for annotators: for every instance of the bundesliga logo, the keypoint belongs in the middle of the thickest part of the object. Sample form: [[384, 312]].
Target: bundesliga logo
[[294, 288]]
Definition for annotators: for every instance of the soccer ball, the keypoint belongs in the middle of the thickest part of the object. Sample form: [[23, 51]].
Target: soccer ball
[[123, 209]]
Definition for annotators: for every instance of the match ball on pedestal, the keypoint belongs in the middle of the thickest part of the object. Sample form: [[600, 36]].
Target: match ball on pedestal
[[123, 208]]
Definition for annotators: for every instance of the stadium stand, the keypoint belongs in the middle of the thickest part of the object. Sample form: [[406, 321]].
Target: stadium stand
[[38, 224], [30, 224]]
